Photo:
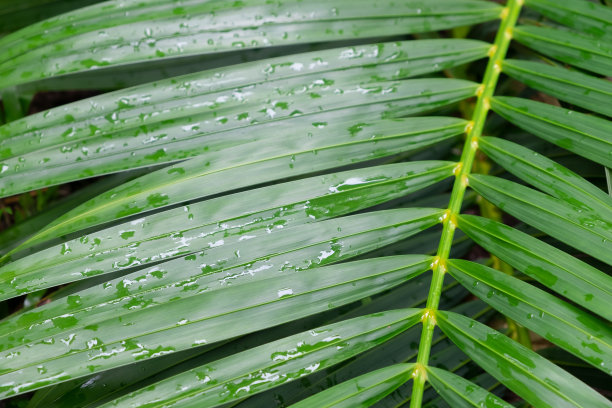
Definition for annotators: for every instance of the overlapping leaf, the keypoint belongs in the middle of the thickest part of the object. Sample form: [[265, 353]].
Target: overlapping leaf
[[362, 391], [115, 32], [229, 220], [182, 117], [459, 392], [567, 326], [255, 370], [583, 134], [572, 48], [589, 17], [311, 150], [547, 175], [554, 268], [570, 86], [78, 343], [586, 230], [235, 264], [529, 375]]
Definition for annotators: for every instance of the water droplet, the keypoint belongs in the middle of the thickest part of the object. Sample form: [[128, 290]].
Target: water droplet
[[285, 292]]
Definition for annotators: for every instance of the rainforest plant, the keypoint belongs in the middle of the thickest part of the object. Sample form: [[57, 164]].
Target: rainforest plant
[[309, 203]]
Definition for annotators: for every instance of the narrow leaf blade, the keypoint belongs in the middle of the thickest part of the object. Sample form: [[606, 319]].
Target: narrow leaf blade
[[583, 229], [243, 216], [585, 135], [547, 175], [459, 392], [253, 371], [589, 17], [571, 86], [550, 266], [529, 375], [564, 325], [96, 35], [362, 391], [572, 48]]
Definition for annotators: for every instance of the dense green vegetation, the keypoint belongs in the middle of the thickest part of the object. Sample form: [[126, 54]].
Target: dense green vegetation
[[306, 203]]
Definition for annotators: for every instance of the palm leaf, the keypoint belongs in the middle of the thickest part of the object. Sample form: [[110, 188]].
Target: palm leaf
[[260, 245]]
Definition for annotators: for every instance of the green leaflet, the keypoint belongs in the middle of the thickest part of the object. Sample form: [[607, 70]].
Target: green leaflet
[[255, 370], [585, 135], [547, 175], [80, 347], [360, 106], [210, 263], [561, 323], [575, 49], [532, 377], [575, 366], [585, 230], [458, 392], [589, 17], [151, 109], [109, 385], [73, 392], [13, 236], [483, 380], [362, 391], [91, 38], [570, 86], [256, 257], [552, 267], [322, 147], [402, 348], [229, 219]]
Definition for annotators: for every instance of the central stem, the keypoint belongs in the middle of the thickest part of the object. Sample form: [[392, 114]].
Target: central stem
[[497, 53]]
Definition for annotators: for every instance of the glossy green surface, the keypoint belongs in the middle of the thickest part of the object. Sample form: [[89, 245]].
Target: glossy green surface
[[444, 355], [216, 261], [583, 229], [557, 270], [253, 371], [199, 93], [362, 391], [210, 111], [364, 106], [106, 386], [529, 375], [589, 17], [547, 175], [87, 392], [256, 257], [13, 236], [483, 380], [568, 85], [459, 392], [580, 50], [91, 38], [586, 135], [83, 340], [328, 147], [230, 220], [561, 323]]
